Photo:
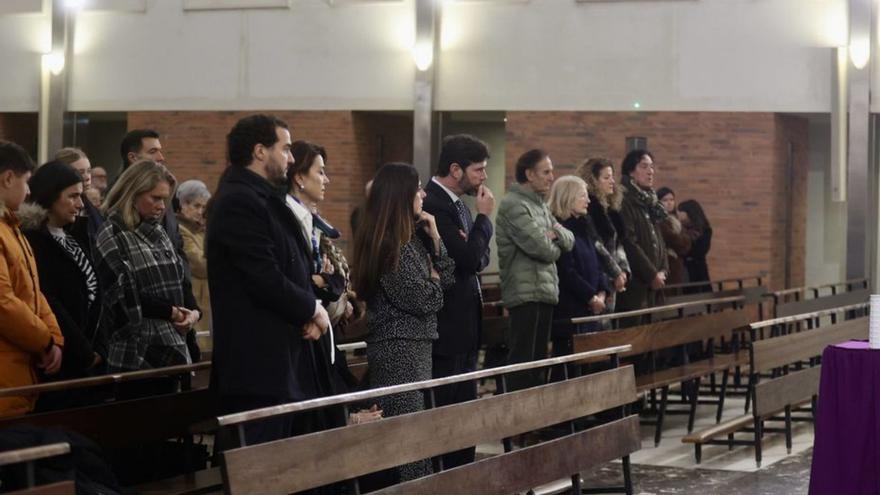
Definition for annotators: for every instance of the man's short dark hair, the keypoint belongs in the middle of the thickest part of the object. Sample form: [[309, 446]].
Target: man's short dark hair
[[249, 132], [133, 142], [632, 159], [528, 161], [462, 149], [14, 157]]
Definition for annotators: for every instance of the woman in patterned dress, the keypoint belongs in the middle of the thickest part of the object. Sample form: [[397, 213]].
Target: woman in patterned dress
[[400, 269], [145, 316]]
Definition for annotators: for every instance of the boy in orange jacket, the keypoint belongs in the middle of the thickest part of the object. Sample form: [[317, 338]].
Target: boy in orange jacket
[[29, 334]]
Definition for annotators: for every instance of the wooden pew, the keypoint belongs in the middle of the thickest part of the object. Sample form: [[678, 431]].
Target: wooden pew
[[791, 387], [822, 303], [118, 424], [714, 285], [654, 337], [345, 453], [29, 456], [798, 294]]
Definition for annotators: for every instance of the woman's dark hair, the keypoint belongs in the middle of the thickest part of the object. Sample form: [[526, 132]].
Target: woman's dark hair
[[695, 214], [632, 159], [249, 132], [387, 223], [304, 154], [663, 191], [49, 180], [528, 161]]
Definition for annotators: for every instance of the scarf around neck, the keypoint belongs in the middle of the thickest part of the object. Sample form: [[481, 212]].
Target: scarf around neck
[[646, 198]]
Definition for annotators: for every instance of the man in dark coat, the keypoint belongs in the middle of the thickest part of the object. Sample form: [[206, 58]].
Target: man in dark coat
[[643, 242], [461, 170], [266, 316]]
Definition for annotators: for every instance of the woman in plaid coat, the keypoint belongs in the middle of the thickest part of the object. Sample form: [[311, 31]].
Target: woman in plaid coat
[[145, 316]]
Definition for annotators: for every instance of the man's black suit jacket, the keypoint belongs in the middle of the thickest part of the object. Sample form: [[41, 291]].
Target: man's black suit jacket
[[460, 320]]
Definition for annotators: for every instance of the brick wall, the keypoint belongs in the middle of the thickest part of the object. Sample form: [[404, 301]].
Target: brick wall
[[734, 164], [357, 143]]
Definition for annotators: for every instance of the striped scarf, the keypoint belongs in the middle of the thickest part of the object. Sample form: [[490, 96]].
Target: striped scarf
[[72, 248]]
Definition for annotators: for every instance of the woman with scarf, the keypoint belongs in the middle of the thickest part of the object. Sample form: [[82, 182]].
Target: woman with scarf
[[645, 248], [63, 251], [604, 212], [306, 183]]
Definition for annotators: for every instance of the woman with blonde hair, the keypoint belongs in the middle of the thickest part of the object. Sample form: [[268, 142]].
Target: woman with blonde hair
[[145, 316], [604, 212], [583, 286]]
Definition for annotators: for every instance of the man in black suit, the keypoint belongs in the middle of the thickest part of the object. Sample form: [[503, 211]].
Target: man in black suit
[[266, 315], [461, 170]]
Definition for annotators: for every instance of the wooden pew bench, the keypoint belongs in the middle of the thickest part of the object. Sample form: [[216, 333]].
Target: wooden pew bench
[[790, 389], [675, 334], [30, 456], [346, 453], [822, 303], [121, 424]]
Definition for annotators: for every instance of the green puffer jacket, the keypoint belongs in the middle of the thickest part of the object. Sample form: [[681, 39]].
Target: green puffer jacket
[[526, 257]]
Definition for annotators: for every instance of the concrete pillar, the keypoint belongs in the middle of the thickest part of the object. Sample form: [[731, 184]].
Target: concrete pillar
[[54, 84]]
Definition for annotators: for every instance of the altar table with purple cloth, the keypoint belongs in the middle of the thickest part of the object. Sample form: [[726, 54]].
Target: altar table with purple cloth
[[846, 449]]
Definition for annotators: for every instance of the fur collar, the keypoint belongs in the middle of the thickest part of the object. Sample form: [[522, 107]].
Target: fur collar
[[32, 216]]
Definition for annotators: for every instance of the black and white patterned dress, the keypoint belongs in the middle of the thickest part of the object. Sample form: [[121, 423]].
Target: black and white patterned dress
[[402, 320]]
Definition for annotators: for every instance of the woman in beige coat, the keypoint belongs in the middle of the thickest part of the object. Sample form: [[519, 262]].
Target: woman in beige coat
[[193, 197]]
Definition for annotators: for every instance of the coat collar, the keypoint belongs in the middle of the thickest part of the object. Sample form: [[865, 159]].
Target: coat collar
[[526, 193], [249, 178]]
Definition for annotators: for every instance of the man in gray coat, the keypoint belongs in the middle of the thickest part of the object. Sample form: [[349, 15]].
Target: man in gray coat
[[530, 241]]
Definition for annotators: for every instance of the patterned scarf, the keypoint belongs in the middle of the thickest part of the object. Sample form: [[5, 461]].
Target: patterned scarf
[[647, 199]]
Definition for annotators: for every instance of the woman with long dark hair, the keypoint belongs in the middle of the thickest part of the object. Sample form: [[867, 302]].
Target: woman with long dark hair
[[700, 231], [400, 269], [678, 243]]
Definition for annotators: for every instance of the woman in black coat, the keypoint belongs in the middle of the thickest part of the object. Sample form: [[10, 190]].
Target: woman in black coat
[[700, 231], [59, 238], [604, 212]]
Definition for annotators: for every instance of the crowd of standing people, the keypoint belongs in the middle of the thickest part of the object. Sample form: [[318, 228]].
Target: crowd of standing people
[[101, 278]]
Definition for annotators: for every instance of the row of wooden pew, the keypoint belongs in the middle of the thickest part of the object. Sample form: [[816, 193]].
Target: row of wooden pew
[[724, 327]]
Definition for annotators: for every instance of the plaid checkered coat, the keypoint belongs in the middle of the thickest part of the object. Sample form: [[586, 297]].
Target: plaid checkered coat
[[133, 265]]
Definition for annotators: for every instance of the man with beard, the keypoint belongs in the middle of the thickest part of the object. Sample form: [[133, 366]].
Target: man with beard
[[461, 170], [267, 319]]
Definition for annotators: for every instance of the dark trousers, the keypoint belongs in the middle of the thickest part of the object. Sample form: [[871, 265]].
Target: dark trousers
[[453, 394], [529, 336]]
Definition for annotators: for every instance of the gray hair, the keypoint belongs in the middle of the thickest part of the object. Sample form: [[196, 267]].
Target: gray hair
[[191, 190]]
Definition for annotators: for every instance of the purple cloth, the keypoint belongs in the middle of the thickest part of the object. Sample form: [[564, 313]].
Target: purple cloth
[[846, 449]]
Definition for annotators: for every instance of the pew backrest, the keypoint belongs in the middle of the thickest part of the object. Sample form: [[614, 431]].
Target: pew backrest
[[769, 354], [30, 455], [664, 334], [317, 459], [822, 303]]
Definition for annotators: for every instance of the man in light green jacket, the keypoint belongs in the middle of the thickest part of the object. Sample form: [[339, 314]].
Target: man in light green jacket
[[529, 242]]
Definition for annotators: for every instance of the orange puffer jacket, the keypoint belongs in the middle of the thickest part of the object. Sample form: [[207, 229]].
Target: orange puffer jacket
[[26, 321]]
